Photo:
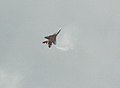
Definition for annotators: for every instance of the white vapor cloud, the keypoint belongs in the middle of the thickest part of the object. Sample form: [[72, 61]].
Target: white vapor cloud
[[67, 38]]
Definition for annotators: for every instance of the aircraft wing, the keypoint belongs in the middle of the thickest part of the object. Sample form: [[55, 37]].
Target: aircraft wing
[[47, 37], [54, 42]]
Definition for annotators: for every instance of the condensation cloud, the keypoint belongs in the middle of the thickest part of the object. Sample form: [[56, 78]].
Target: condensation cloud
[[67, 40]]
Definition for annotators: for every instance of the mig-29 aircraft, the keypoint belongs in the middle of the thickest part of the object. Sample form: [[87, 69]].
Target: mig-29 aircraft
[[51, 39]]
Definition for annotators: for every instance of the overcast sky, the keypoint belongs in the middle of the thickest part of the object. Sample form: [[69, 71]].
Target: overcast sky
[[93, 27]]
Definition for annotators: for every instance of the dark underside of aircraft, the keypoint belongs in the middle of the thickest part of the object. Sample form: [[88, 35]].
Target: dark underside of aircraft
[[51, 39]]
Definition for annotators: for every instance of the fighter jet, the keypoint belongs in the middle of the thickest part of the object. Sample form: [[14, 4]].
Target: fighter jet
[[51, 39]]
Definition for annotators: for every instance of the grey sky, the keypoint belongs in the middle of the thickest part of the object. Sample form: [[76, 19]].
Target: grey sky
[[93, 63]]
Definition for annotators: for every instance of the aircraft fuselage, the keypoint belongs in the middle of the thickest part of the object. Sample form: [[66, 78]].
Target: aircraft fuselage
[[51, 39]]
